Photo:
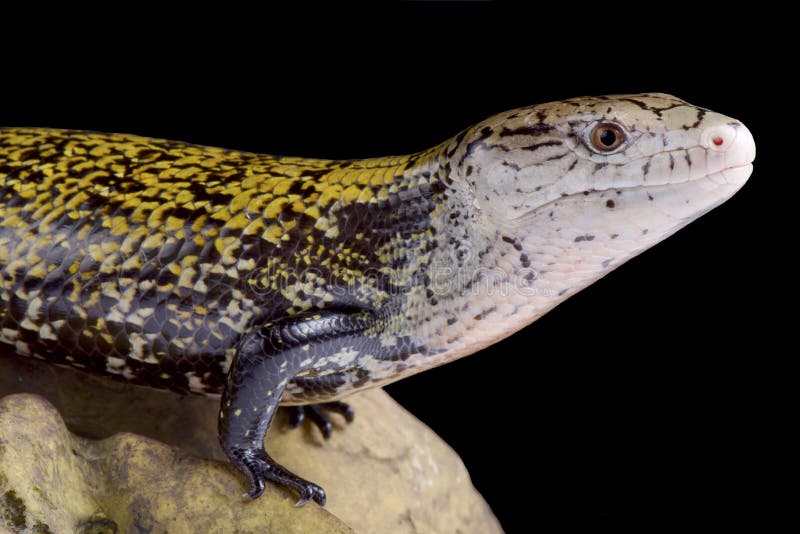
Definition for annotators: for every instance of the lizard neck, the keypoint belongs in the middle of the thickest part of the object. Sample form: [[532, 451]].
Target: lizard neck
[[466, 269], [459, 282], [486, 281]]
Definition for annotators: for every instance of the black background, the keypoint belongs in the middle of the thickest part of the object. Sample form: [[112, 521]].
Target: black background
[[647, 399]]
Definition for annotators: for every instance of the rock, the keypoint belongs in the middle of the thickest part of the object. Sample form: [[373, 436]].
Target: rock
[[54, 481], [386, 472]]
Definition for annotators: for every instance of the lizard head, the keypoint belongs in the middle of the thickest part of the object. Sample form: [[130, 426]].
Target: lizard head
[[582, 185]]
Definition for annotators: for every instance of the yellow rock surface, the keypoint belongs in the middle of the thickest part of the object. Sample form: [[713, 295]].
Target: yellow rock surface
[[385, 473]]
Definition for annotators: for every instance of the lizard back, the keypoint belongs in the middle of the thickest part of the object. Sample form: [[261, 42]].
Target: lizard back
[[146, 259]]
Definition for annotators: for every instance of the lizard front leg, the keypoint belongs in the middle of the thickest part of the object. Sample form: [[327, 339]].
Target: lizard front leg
[[266, 360]]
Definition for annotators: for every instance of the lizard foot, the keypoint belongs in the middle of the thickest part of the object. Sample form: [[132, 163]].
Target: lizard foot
[[260, 467], [316, 413]]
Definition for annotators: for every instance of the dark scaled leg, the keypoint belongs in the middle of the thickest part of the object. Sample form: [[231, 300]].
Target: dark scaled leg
[[316, 414], [256, 382], [266, 360]]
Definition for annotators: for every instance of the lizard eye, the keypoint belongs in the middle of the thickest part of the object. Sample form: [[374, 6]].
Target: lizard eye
[[606, 137]]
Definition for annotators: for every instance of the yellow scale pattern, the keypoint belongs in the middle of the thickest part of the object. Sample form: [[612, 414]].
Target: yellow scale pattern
[[88, 213]]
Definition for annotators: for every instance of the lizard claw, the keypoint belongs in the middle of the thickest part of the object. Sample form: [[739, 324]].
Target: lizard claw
[[260, 467], [296, 417], [256, 489], [314, 492], [316, 414]]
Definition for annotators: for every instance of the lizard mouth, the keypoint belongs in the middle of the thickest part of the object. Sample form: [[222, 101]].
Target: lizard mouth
[[737, 175], [733, 177]]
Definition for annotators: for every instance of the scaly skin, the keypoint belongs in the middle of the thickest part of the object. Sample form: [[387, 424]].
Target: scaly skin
[[291, 280]]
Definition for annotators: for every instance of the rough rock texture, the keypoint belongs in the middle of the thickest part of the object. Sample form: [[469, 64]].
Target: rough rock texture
[[54, 481], [386, 472]]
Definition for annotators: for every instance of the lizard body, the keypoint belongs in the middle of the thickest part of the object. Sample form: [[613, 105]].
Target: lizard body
[[287, 280]]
